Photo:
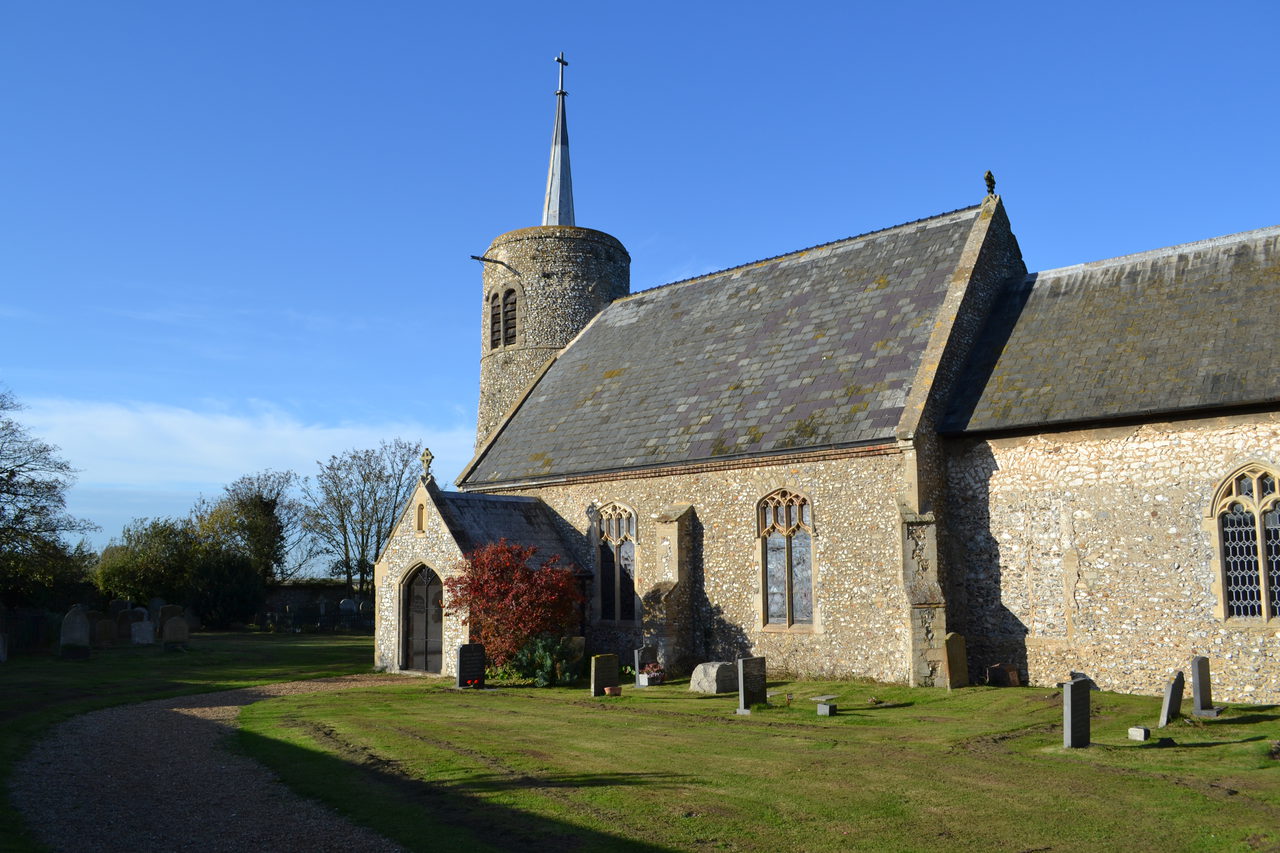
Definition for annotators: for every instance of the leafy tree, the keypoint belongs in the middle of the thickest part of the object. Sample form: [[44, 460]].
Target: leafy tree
[[262, 516], [49, 575], [170, 558], [354, 502], [34, 561], [507, 604]]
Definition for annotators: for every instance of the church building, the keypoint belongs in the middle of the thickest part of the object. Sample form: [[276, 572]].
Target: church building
[[839, 456]]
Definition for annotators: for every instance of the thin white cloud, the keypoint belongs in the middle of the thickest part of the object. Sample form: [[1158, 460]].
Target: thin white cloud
[[126, 452]]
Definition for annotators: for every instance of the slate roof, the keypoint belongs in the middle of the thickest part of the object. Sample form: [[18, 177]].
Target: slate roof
[[476, 520], [810, 349], [1177, 329]]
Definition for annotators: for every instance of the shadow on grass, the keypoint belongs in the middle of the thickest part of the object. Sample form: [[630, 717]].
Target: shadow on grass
[[451, 815]]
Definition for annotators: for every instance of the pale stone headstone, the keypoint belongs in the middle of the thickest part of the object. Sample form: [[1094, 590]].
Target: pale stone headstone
[[1075, 713], [167, 612], [74, 640], [714, 677], [471, 665], [176, 634], [1171, 708], [1139, 733], [104, 632], [957, 661], [752, 685], [643, 656], [826, 709], [124, 624], [1201, 694], [604, 673], [143, 633]]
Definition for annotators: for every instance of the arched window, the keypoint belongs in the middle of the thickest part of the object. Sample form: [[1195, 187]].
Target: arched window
[[1247, 512], [617, 526], [495, 322], [420, 525], [785, 528], [508, 318]]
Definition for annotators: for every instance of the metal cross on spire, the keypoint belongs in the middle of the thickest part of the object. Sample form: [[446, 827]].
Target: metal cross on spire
[[558, 207]]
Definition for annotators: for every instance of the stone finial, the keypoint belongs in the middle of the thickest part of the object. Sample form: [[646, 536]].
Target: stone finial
[[593, 513], [426, 462], [991, 182]]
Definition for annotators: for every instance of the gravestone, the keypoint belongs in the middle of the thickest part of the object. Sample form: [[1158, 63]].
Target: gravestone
[[1201, 694], [73, 643], [826, 709], [1075, 713], [93, 616], [604, 673], [643, 656], [138, 614], [143, 633], [124, 624], [1139, 733], [471, 665], [752, 688], [1003, 675], [957, 661], [1171, 708], [167, 612], [104, 632], [153, 609], [714, 677], [176, 634], [116, 606]]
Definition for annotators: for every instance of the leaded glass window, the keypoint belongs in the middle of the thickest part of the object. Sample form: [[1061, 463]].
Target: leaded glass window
[[785, 528], [1248, 527], [618, 600]]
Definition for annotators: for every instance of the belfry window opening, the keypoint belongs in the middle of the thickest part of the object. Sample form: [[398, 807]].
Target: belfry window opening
[[502, 319]]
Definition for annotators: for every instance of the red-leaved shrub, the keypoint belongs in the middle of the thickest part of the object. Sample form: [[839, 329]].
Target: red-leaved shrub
[[506, 603]]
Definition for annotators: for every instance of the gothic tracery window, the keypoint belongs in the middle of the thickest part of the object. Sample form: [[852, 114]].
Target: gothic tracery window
[[617, 526], [1247, 510], [785, 528]]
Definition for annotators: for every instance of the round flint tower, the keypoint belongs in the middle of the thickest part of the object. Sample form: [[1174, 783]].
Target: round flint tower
[[542, 285]]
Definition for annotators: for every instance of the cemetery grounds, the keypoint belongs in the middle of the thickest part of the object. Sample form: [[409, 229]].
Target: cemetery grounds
[[661, 768]]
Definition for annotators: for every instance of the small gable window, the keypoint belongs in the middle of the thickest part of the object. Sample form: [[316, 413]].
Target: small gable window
[[1247, 513], [785, 528], [617, 526], [420, 525], [503, 316]]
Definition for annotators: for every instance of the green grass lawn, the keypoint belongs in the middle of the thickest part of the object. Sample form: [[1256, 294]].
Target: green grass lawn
[[40, 690], [664, 769]]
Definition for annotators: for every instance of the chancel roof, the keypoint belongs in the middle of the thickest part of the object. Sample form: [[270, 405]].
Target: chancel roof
[[807, 350], [477, 519], [1173, 330]]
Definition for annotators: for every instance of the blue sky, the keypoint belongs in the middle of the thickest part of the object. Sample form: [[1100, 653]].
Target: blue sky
[[236, 234]]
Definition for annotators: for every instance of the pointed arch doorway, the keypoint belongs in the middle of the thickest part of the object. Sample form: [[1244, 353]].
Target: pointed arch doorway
[[422, 621]]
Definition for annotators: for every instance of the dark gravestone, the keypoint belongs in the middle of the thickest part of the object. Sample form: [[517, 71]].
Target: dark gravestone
[[139, 614], [1075, 713], [104, 632], [751, 684], [143, 633], [604, 673], [1201, 695], [167, 612], [124, 625], [1171, 709], [176, 634], [74, 641], [957, 661], [471, 665], [648, 654], [153, 609]]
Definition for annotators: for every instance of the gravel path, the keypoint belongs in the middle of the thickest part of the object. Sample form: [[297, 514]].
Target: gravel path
[[158, 776]]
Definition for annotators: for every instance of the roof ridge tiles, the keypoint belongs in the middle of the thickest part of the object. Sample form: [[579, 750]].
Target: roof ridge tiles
[[704, 275], [1164, 251]]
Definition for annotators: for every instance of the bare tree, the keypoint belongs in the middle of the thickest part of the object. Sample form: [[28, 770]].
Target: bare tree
[[355, 501]]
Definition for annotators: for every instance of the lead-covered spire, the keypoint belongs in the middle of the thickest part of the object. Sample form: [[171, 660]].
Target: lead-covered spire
[[558, 207]]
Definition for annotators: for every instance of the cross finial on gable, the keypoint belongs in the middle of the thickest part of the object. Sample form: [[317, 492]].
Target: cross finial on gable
[[426, 463], [991, 182]]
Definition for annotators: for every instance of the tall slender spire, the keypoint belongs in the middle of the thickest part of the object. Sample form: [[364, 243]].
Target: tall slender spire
[[558, 208]]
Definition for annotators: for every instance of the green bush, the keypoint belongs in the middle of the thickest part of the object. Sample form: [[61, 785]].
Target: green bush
[[548, 661]]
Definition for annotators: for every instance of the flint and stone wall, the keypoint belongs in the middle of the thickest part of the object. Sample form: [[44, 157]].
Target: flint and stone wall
[[861, 615], [1089, 551], [407, 549], [563, 276]]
